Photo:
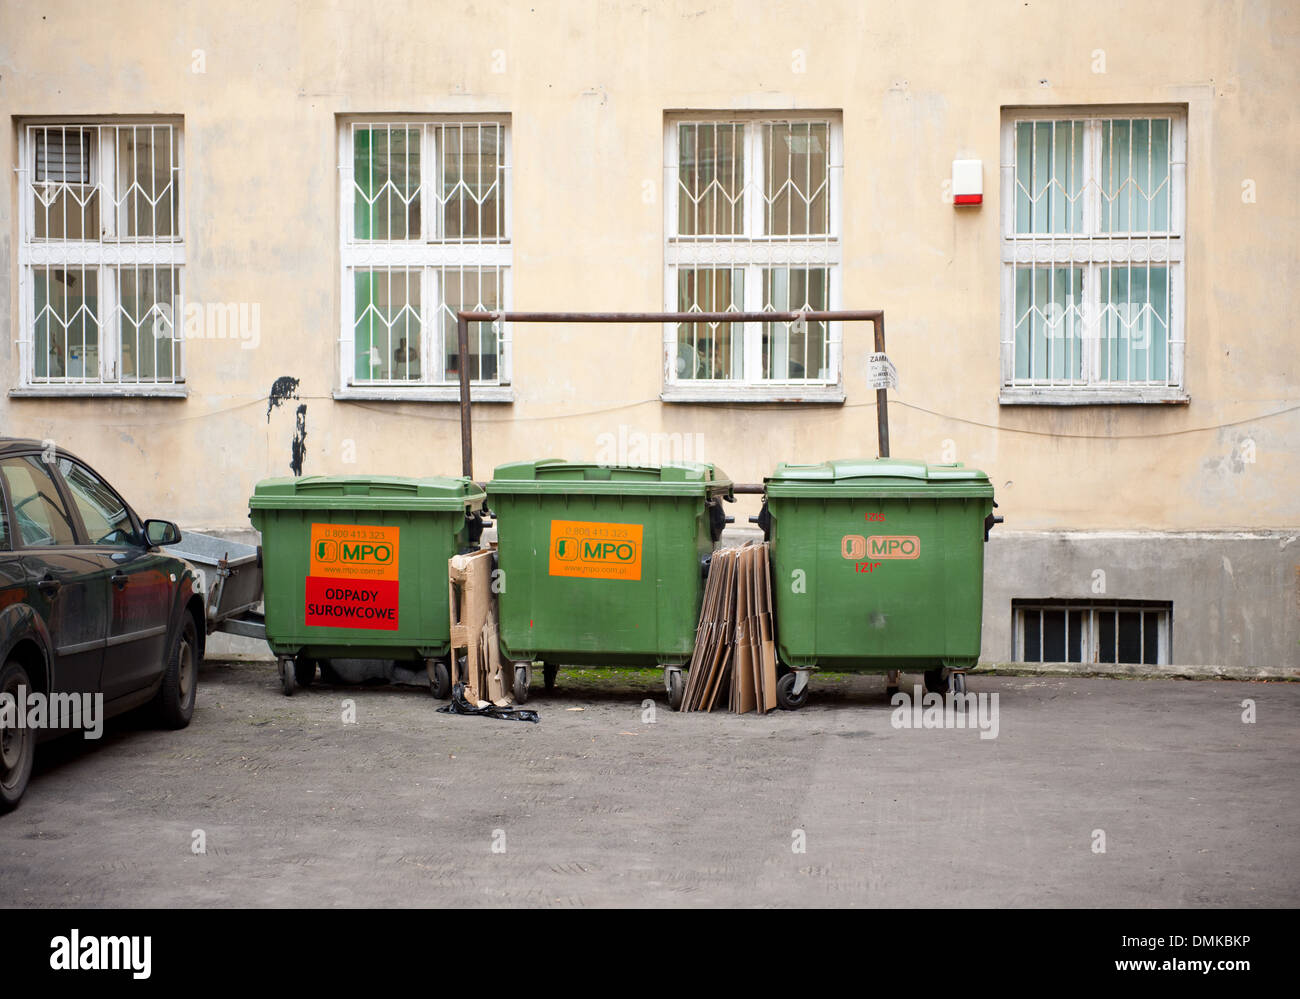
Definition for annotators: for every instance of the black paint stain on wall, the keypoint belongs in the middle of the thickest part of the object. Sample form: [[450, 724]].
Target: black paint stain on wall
[[284, 389], [299, 440]]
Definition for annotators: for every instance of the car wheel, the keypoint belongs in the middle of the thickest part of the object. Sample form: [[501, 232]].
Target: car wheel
[[17, 742], [175, 703]]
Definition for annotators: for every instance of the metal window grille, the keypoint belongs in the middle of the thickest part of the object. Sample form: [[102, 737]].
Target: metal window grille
[[752, 222], [1093, 249], [101, 254], [1082, 631], [425, 233]]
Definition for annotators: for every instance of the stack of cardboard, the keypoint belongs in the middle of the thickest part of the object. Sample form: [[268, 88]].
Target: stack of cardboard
[[474, 628], [734, 647]]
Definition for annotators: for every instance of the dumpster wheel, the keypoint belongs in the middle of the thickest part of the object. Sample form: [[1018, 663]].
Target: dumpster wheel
[[549, 671], [941, 681], [439, 678], [288, 677], [785, 691], [304, 671], [521, 682], [676, 689]]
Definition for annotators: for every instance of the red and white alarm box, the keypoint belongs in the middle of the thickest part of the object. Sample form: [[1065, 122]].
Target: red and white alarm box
[[967, 182]]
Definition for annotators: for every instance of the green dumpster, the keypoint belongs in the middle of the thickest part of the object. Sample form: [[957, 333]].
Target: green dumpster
[[355, 567], [878, 566], [602, 566]]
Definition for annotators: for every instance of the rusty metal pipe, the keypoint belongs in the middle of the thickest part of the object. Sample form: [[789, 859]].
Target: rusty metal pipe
[[466, 316], [868, 315], [462, 369], [882, 396]]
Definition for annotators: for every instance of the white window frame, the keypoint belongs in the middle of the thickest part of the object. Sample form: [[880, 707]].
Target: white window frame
[[430, 255], [108, 256], [1089, 642], [1091, 251], [753, 252]]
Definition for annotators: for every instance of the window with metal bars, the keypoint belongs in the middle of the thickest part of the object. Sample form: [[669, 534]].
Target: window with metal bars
[[425, 233], [1084, 631], [101, 255], [752, 221], [1092, 254]]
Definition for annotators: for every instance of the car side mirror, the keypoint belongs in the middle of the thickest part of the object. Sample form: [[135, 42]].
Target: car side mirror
[[160, 533]]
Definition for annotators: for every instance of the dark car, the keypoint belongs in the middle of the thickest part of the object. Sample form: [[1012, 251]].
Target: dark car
[[91, 611]]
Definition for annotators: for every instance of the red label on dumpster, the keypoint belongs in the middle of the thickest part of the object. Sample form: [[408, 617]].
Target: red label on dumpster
[[352, 603]]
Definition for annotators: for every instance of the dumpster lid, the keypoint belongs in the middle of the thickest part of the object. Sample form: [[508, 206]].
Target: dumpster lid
[[554, 476], [366, 492], [873, 474]]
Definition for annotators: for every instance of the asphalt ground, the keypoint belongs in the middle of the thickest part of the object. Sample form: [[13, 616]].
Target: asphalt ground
[[1094, 792]]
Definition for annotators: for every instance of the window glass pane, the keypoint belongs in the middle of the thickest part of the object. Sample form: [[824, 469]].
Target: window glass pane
[[1130, 637], [41, 517], [1074, 638], [1134, 323], [710, 350], [147, 300], [1135, 183], [1049, 323], [1024, 177], [1106, 649], [1053, 636], [1151, 637], [789, 353], [1024, 320], [710, 179], [478, 288], [386, 182], [103, 514], [66, 334], [796, 178], [1049, 177], [1032, 651], [387, 324], [471, 160], [1159, 182], [65, 196], [148, 168]]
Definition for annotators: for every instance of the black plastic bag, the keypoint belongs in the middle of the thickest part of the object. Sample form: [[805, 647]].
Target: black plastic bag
[[458, 705]]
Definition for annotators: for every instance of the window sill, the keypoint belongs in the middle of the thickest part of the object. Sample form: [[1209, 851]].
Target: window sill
[[99, 392], [1025, 396], [826, 394], [425, 393]]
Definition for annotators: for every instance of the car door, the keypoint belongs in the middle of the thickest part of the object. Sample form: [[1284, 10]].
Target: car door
[[13, 578], [65, 585], [140, 581]]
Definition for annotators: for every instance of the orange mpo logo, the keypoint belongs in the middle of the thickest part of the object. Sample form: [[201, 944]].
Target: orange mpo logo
[[855, 546]]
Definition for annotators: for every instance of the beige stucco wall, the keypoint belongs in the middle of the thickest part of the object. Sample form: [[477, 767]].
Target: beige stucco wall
[[587, 86]]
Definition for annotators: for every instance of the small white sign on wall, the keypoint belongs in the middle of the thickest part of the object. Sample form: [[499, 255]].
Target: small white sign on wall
[[881, 372]]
